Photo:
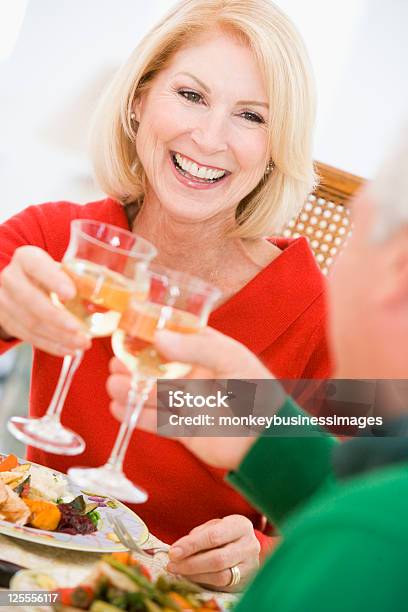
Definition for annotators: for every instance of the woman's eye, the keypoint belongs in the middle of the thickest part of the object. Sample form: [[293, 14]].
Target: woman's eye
[[251, 116], [191, 96]]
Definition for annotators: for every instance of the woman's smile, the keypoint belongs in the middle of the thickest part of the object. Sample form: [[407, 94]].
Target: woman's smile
[[195, 175]]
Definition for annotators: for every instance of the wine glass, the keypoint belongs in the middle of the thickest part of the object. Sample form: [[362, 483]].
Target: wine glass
[[175, 301], [108, 266]]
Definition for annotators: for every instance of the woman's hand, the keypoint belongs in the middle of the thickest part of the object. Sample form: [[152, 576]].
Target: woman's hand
[[26, 310], [208, 552]]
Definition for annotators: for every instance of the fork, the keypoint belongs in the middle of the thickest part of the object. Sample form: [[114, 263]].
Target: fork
[[130, 543]]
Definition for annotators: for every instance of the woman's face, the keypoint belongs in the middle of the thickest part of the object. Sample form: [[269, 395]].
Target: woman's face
[[202, 136]]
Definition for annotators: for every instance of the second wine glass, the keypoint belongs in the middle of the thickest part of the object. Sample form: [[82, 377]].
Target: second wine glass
[[107, 265], [178, 302]]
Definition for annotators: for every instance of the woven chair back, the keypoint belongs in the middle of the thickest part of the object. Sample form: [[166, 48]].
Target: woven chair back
[[325, 217]]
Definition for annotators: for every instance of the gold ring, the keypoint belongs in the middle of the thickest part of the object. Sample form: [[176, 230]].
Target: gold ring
[[235, 576]]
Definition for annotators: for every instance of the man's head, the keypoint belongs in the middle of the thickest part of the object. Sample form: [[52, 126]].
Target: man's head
[[368, 300]]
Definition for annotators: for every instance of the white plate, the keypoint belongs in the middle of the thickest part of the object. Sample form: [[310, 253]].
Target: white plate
[[25, 580], [101, 541]]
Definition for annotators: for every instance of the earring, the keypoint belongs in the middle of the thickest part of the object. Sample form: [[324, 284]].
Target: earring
[[269, 167], [134, 124]]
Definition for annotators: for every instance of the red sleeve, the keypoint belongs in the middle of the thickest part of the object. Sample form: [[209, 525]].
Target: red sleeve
[[6, 345], [22, 229], [46, 226], [29, 227]]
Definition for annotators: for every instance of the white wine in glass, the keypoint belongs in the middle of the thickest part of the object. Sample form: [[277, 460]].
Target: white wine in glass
[[102, 295], [108, 266], [175, 301], [132, 341]]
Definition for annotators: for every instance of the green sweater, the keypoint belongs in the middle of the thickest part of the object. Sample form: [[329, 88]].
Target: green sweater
[[345, 544]]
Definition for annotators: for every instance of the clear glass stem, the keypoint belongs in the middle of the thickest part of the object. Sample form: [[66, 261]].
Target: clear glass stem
[[69, 367], [136, 399]]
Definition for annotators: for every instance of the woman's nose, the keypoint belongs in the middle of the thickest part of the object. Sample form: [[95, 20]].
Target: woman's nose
[[210, 133]]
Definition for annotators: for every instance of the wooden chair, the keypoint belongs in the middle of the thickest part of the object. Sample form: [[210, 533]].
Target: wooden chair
[[325, 218]]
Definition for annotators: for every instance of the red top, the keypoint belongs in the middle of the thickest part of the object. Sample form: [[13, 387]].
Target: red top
[[279, 315]]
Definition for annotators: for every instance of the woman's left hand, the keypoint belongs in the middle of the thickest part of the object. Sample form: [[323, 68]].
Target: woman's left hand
[[208, 552]]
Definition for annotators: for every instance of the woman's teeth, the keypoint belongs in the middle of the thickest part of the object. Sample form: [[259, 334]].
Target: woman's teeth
[[200, 172]]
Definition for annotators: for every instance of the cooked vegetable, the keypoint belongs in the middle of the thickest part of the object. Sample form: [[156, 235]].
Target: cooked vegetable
[[142, 569], [152, 607], [73, 522], [117, 583], [94, 516], [23, 488], [78, 504], [123, 557], [135, 601], [211, 604], [117, 597], [35, 490], [127, 559], [44, 515], [102, 606], [90, 507], [8, 463], [117, 578], [79, 597], [181, 585], [134, 573], [182, 602]]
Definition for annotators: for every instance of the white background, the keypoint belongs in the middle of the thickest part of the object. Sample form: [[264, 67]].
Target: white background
[[67, 49]]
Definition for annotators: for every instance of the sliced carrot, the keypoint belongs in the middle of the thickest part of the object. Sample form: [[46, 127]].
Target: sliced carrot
[[123, 557], [8, 463], [181, 601]]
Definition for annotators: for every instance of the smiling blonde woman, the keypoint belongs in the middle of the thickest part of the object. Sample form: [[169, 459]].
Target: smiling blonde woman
[[203, 146], [289, 85]]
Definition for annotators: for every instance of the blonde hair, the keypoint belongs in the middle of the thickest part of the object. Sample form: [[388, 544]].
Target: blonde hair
[[289, 83]]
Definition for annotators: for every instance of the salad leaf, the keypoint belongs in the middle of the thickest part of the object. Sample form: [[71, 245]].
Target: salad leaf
[[78, 504], [94, 516]]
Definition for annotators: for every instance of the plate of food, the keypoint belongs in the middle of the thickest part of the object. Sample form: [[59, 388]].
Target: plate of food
[[40, 505], [115, 583]]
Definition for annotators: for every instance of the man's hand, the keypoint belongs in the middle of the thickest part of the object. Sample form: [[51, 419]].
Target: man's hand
[[213, 355]]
